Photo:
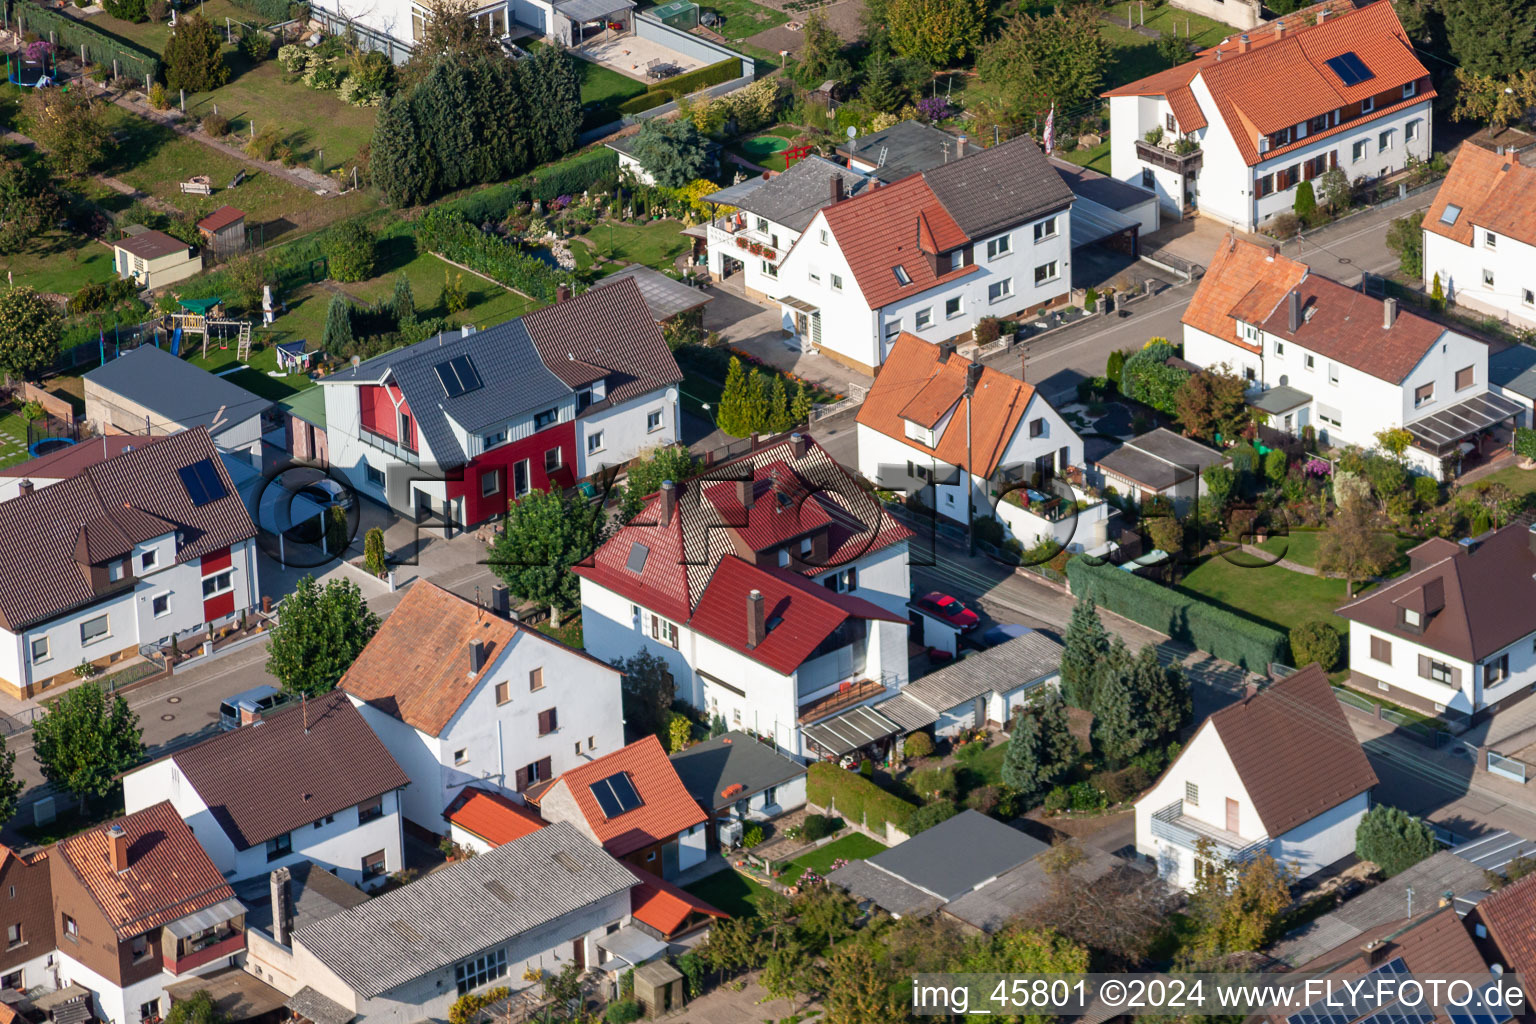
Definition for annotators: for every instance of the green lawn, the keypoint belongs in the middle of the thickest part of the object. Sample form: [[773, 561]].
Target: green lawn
[[1096, 159], [853, 846], [13, 437], [743, 18], [1269, 594], [1301, 547], [1521, 481], [728, 891], [59, 262], [602, 90], [1202, 31], [152, 36], [698, 389], [654, 245], [1132, 55]]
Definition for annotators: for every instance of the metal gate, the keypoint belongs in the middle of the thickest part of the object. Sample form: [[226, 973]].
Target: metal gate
[[1508, 767]]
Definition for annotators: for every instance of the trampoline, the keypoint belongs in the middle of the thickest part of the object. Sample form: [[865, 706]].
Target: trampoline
[[48, 445], [35, 68], [762, 147]]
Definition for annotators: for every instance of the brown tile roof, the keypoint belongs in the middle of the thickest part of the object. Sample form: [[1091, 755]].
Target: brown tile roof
[[168, 876], [1487, 590], [1284, 80], [223, 217], [1510, 917], [1494, 191], [913, 378], [491, 816], [152, 245], [67, 461], [1436, 942], [1244, 275], [608, 331], [1293, 750], [416, 667], [103, 509], [887, 228], [1345, 325], [293, 768], [665, 806]]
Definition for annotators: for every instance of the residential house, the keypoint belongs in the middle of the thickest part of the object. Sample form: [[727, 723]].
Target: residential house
[[153, 259], [1480, 235], [149, 392], [482, 819], [903, 149], [1452, 637], [632, 803], [1234, 131], [772, 585], [46, 470], [734, 775], [140, 547], [138, 905], [28, 959], [1355, 365], [455, 427], [933, 254], [462, 695], [973, 442], [768, 217], [667, 912], [1504, 926], [308, 783], [279, 903], [984, 689], [1279, 772], [532, 905], [1160, 464]]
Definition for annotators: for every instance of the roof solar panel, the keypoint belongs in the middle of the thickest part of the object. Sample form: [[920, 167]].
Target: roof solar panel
[[603, 793], [625, 791], [202, 482], [1350, 68], [459, 376]]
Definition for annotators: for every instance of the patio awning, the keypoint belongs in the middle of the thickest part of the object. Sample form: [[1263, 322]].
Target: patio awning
[[593, 10], [908, 712], [199, 306], [847, 732], [225, 910], [1278, 400], [632, 945], [735, 195], [1446, 427], [800, 304]]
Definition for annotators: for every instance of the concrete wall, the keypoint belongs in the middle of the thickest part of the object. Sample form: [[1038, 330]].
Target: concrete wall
[[1240, 14], [689, 45]]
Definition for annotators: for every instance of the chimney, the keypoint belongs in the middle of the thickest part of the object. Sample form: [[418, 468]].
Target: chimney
[[1274, 250], [744, 493], [960, 147], [837, 188], [282, 905], [562, 292], [117, 840], [1242, 43], [1280, 29], [1293, 303], [1322, 15], [756, 627], [797, 445], [668, 501], [250, 716], [972, 376], [476, 656], [501, 601], [1388, 313], [25, 487], [946, 349]]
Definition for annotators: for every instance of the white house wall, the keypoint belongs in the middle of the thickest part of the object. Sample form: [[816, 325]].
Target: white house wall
[[1315, 844], [624, 430], [1205, 763], [1461, 268], [1403, 672], [848, 325]]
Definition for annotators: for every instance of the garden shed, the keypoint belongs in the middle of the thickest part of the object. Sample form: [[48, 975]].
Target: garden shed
[[153, 259], [658, 987], [223, 231]]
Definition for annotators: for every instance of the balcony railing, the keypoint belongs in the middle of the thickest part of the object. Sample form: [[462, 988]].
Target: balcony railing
[[856, 692], [1172, 824], [198, 954], [1167, 159], [390, 447], [724, 231]]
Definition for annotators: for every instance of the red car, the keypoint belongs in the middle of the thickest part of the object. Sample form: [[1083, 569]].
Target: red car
[[947, 609]]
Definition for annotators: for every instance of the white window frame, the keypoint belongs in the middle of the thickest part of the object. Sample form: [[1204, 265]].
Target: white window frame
[[824, 236], [1410, 90], [527, 465], [1002, 245], [902, 277], [1311, 361], [1490, 240], [1053, 273], [892, 329], [1384, 139], [98, 637], [47, 649], [1487, 278], [999, 290], [836, 280], [493, 439], [924, 318], [1046, 229], [1360, 150], [957, 301], [654, 421], [1368, 105], [1411, 129], [148, 560], [594, 442], [223, 583], [490, 483]]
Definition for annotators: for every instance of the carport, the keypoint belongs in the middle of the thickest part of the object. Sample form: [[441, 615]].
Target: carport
[[852, 731], [1093, 224]]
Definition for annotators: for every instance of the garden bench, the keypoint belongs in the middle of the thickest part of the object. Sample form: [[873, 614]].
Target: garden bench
[[201, 185]]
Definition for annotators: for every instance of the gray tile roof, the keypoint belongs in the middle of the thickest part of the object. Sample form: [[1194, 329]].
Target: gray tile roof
[[1160, 458], [174, 388], [1514, 369], [999, 187], [1279, 399], [734, 758], [606, 332], [792, 198], [906, 147], [1007, 666], [663, 296], [465, 908], [317, 894], [955, 856]]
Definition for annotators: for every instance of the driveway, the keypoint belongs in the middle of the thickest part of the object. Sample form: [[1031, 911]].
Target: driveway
[[758, 329]]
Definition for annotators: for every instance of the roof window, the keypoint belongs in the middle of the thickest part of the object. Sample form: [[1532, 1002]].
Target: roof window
[[1450, 213]]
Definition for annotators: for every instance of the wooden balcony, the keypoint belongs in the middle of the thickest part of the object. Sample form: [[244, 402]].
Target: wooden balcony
[[1185, 164], [850, 695]]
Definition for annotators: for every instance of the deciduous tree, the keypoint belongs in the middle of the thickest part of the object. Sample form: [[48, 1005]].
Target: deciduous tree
[[1317, 641], [28, 203], [1491, 37], [1406, 238], [545, 533], [197, 1008], [1121, 912], [29, 333], [69, 125], [86, 740], [1352, 547], [1039, 59], [10, 785], [645, 476], [349, 251], [648, 691], [1236, 907], [937, 32], [319, 634], [1211, 402], [859, 988]]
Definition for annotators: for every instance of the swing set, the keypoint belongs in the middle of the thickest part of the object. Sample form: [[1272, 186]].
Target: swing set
[[197, 319]]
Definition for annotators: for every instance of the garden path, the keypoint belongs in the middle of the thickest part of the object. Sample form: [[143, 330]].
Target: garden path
[[1305, 570]]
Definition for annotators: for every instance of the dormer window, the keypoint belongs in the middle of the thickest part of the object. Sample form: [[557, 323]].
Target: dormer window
[[1412, 618], [1410, 89], [783, 558], [115, 571], [919, 433]]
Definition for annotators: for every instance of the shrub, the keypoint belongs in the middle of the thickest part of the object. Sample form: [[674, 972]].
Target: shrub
[[1147, 377], [1393, 840], [1306, 203], [867, 768], [919, 744], [752, 836], [1315, 641], [1284, 225], [645, 101], [216, 125], [349, 248], [855, 798], [932, 814], [373, 551], [703, 78], [1122, 785], [983, 799], [157, 97], [294, 58], [972, 752], [679, 732], [1274, 466], [817, 826], [127, 10], [988, 330], [1426, 490], [194, 60], [448, 234], [935, 783], [256, 46], [468, 1006], [625, 1011], [1525, 442], [264, 145], [988, 529], [1091, 299]]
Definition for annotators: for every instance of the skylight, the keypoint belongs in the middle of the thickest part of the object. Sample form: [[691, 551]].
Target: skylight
[[459, 376], [1450, 213], [1350, 68], [902, 275], [202, 482], [638, 553], [615, 795]]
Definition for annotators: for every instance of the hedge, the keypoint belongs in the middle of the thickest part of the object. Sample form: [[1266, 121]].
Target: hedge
[[855, 798], [569, 177], [448, 234], [645, 101], [101, 47], [1212, 628], [700, 78], [273, 11]]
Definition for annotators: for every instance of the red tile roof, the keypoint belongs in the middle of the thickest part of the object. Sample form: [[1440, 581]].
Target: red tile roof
[[912, 378], [1510, 917], [168, 876], [416, 667], [1293, 750], [1282, 80], [1242, 276], [491, 816], [887, 228], [664, 906], [665, 806], [1495, 191], [783, 507], [1435, 942]]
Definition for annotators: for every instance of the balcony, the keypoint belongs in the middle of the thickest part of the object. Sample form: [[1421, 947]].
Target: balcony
[[392, 448], [849, 695], [1166, 155], [1173, 825], [195, 952], [740, 241]]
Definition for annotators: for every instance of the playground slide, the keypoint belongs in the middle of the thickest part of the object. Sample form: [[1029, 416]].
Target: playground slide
[[176, 342]]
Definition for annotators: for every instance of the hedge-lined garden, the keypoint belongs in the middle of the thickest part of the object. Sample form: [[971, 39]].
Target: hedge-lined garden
[[855, 798], [97, 46], [448, 234]]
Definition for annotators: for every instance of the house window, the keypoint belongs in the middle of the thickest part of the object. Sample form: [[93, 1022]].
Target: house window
[[1384, 139], [594, 442], [1381, 650], [1037, 427], [1360, 150], [1464, 378], [13, 981], [115, 571], [1497, 670], [139, 947], [1411, 129], [147, 560], [814, 275], [493, 22], [536, 679], [538, 771], [1170, 123], [552, 460], [493, 439], [783, 558], [1488, 278], [902, 277], [999, 290], [1368, 104], [958, 260], [373, 475], [1263, 186], [92, 630], [1000, 246], [521, 480], [279, 847], [460, 756], [1528, 297], [1046, 272], [952, 308], [39, 649], [1317, 124], [548, 722], [1279, 348], [545, 418], [1045, 229], [824, 236], [1440, 672], [653, 421], [924, 318], [71, 927], [368, 810], [149, 1010], [329, 819], [490, 483], [770, 269], [503, 693], [13, 935], [1490, 240], [1192, 794], [1410, 89], [1411, 617], [1309, 361], [837, 282], [482, 970], [219, 583], [373, 865], [160, 605], [1148, 179], [736, 716], [1333, 373], [1423, 393], [844, 581]]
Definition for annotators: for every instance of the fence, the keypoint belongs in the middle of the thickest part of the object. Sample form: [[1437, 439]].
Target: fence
[[856, 395], [1508, 767]]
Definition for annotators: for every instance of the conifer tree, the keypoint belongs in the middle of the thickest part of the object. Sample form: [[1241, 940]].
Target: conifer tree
[[1086, 645], [757, 401], [800, 408], [734, 416], [403, 302], [1041, 750], [337, 338], [779, 419], [1120, 730]]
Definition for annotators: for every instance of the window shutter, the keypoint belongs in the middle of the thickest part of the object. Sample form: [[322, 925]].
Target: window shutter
[[1456, 677], [522, 779], [672, 632], [1423, 666], [544, 768]]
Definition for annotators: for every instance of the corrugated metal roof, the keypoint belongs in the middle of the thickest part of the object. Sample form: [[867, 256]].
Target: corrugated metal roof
[[1020, 661], [847, 732], [663, 296]]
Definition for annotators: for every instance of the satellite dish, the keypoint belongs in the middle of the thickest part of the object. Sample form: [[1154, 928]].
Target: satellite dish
[[1497, 970], [852, 131]]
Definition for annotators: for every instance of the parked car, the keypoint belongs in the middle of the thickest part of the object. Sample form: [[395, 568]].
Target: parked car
[[947, 609], [327, 493], [323, 494], [257, 700], [1003, 632]]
